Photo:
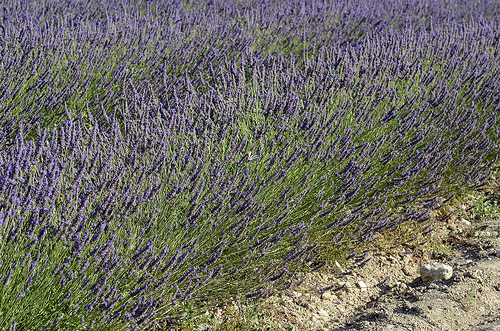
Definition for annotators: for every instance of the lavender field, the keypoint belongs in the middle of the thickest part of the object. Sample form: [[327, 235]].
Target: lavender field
[[157, 155]]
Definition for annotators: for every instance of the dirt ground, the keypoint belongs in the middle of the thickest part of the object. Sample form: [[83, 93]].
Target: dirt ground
[[396, 297]]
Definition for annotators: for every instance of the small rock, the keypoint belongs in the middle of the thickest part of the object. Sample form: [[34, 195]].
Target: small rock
[[386, 281], [435, 271], [407, 259], [338, 269], [361, 284], [327, 296], [295, 294], [408, 270], [464, 222], [323, 312], [498, 253]]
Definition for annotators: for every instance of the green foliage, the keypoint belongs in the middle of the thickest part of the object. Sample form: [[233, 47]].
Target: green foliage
[[482, 208]]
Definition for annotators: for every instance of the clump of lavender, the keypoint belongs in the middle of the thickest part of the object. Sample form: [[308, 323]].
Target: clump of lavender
[[157, 154]]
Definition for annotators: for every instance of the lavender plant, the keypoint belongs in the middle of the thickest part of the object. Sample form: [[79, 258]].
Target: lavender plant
[[162, 153]]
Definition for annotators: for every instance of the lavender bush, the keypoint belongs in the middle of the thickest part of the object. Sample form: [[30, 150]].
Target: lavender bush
[[162, 153]]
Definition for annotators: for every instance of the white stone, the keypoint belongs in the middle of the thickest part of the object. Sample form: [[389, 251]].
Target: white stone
[[338, 269], [435, 271], [361, 284], [323, 312], [327, 296], [465, 222]]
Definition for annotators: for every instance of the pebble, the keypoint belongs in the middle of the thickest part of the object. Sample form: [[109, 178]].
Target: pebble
[[407, 270], [323, 312], [338, 269], [465, 222], [294, 294], [435, 271], [361, 284], [328, 296]]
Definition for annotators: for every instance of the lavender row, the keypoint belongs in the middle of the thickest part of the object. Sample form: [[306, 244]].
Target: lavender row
[[70, 53], [184, 181]]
